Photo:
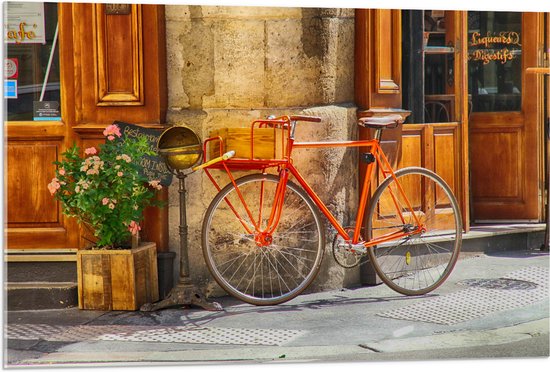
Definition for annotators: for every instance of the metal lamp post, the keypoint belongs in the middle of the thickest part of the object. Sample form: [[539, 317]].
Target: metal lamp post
[[181, 149]]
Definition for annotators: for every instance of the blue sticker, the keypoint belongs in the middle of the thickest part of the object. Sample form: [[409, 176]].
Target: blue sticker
[[10, 88]]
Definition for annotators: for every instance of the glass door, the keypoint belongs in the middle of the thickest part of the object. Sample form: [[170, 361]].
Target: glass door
[[505, 123]]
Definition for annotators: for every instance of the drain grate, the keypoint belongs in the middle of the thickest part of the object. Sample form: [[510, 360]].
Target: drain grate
[[183, 334], [479, 300]]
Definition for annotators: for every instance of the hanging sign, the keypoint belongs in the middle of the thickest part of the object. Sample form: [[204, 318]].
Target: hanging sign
[[154, 167], [24, 23], [501, 47]]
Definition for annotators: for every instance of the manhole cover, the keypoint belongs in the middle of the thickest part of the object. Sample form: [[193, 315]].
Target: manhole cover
[[481, 298], [501, 283]]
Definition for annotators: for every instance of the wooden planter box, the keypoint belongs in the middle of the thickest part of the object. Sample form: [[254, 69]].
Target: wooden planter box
[[117, 279]]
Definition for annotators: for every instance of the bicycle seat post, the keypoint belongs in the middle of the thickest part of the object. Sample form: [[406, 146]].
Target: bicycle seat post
[[378, 134]]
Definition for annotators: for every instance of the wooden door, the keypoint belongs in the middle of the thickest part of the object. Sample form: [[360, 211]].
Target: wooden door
[[109, 65], [505, 123], [34, 218]]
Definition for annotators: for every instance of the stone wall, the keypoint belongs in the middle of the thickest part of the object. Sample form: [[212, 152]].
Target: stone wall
[[228, 66]]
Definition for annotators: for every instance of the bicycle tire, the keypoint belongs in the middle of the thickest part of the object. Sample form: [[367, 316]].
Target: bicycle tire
[[417, 264], [263, 275]]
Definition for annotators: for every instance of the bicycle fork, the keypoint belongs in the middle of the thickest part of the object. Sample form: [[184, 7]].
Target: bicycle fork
[[264, 237]]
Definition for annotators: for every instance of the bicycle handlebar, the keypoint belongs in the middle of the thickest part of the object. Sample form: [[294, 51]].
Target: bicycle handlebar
[[227, 155], [294, 118], [312, 119]]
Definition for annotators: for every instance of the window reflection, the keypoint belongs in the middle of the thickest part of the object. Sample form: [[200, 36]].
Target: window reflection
[[32, 63]]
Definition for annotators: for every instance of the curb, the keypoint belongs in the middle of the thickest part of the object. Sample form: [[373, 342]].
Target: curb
[[459, 339], [301, 353]]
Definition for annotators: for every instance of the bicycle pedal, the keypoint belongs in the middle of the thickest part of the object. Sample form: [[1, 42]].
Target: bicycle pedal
[[358, 248]]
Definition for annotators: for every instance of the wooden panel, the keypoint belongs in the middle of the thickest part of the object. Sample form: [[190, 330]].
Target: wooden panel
[[445, 159], [378, 58], [497, 166], [119, 60], [36, 130], [123, 281], [43, 237], [29, 169], [413, 147], [109, 76], [387, 53], [94, 290]]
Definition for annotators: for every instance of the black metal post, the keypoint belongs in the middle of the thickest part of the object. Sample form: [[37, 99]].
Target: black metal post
[[184, 293]]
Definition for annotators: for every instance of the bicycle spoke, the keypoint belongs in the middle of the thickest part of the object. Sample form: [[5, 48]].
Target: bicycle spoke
[[246, 266], [421, 262]]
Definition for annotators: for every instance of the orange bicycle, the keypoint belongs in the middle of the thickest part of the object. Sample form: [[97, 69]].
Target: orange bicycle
[[263, 238]]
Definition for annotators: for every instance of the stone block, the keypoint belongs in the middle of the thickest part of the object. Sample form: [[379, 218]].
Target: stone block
[[238, 65]]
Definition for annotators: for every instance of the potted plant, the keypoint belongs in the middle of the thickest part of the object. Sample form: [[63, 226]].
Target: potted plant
[[105, 190]]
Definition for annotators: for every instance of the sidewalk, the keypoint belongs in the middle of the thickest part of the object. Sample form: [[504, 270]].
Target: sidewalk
[[487, 303]]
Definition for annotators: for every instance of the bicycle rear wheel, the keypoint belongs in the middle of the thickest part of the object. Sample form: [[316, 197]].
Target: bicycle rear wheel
[[264, 270], [419, 263]]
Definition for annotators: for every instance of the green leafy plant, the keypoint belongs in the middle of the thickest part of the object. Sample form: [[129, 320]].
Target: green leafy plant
[[104, 189]]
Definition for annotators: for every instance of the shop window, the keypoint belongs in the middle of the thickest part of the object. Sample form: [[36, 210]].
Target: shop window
[[428, 66], [494, 61], [31, 63]]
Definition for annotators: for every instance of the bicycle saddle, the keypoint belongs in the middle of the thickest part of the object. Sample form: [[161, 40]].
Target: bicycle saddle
[[381, 122]]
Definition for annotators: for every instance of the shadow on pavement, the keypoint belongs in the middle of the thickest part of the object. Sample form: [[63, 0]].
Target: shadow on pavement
[[232, 307]]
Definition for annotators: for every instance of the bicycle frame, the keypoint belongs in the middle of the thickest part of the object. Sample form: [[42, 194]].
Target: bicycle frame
[[286, 166]]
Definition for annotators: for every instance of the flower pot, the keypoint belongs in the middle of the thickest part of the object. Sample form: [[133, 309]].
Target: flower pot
[[117, 279]]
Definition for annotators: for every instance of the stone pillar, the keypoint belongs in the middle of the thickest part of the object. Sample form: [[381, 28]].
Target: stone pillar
[[228, 66]]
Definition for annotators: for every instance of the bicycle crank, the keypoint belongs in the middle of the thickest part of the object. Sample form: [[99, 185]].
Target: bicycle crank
[[346, 254]]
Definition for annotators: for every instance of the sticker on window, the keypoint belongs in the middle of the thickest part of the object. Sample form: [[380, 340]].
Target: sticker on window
[[46, 110], [10, 89]]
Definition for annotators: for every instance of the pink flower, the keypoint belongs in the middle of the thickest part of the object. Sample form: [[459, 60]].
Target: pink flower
[[105, 201], [90, 151], [110, 131], [120, 174], [92, 171], [54, 186], [124, 157], [61, 172], [111, 206], [133, 227], [155, 184]]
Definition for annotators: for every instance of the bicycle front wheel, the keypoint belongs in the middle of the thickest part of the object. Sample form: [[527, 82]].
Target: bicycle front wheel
[[419, 263], [255, 265]]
